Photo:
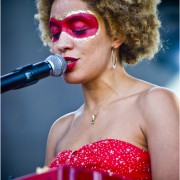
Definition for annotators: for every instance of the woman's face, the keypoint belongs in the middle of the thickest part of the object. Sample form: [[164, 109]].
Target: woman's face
[[79, 36]]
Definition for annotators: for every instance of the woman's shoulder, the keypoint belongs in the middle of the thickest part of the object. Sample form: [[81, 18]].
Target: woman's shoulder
[[158, 95], [63, 122], [150, 93], [153, 100], [158, 103], [160, 111], [57, 131]]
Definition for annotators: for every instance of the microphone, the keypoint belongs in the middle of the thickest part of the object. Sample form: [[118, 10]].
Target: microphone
[[54, 65]]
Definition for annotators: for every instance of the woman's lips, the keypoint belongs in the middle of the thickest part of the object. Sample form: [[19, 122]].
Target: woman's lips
[[71, 62]]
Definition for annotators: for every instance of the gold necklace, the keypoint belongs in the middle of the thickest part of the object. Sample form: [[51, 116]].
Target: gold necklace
[[94, 115]]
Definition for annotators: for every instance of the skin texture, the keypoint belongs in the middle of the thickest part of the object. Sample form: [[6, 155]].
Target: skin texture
[[127, 108]]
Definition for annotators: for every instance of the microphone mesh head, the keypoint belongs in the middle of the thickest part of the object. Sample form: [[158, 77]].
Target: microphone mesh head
[[57, 63]]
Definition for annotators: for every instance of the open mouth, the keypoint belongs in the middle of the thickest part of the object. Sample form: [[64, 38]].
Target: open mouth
[[71, 62]]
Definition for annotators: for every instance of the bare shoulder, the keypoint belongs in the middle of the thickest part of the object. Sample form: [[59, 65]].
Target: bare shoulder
[[160, 111], [158, 100], [62, 123], [56, 133], [159, 105], [60, 127]]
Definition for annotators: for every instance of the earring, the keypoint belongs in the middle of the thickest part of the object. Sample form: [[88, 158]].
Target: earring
[[114, 60]]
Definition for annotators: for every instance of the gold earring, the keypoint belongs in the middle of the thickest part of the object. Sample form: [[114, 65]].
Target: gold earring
[[114, 59]]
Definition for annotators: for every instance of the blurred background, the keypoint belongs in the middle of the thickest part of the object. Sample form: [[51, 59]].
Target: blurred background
[[27, 114]]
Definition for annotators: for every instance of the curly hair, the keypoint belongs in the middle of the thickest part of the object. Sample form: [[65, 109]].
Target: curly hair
[[136, 20]]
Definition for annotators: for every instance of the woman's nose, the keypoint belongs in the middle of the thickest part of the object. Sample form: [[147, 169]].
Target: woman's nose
[[64, 42]]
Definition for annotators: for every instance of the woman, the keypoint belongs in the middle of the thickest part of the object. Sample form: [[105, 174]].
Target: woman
[[126, 126]]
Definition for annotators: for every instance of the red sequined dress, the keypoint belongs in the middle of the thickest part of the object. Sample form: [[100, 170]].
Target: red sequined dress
[[109, 155]]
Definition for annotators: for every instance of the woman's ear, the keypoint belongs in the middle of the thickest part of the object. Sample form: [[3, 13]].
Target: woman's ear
[[117, 41]]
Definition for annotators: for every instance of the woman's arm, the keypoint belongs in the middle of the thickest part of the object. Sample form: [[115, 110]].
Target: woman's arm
[[161, 114], [56, 133]]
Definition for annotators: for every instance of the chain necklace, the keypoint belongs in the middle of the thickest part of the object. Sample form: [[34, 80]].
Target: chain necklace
[[94, 115]]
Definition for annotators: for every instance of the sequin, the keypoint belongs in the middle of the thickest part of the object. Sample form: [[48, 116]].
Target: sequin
[[111, 156]]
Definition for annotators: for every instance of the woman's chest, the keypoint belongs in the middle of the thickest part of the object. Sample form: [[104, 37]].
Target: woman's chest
[[118, 127]]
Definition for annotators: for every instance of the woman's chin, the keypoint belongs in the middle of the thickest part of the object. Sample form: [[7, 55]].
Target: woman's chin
[[71, 80]]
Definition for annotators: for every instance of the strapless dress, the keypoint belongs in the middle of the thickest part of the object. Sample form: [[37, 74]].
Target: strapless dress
[[109, 155]]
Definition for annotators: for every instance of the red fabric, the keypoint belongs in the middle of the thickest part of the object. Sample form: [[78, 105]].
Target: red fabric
[[109, 155]]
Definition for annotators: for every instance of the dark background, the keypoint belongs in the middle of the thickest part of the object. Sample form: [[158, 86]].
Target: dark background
[[28, 113]]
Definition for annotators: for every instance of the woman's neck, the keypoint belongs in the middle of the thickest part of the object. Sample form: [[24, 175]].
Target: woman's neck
[[106, 88]]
